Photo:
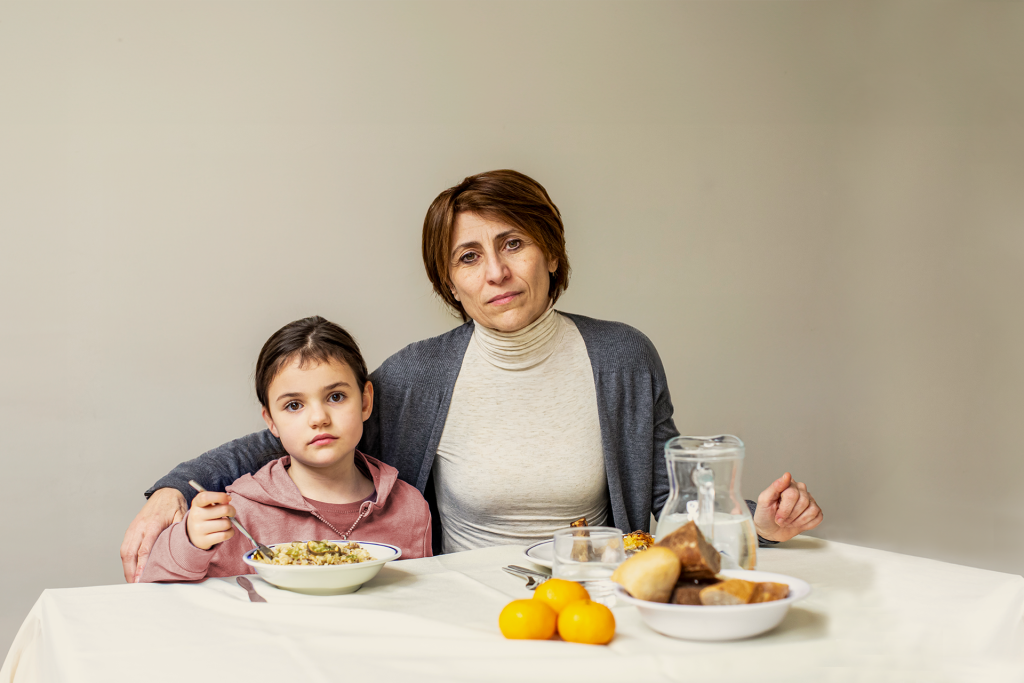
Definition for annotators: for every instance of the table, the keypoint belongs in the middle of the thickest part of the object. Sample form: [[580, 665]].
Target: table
[[872, 616]]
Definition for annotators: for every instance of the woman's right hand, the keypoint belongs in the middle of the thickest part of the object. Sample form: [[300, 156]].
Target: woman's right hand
[[164, 508], [208, 522]]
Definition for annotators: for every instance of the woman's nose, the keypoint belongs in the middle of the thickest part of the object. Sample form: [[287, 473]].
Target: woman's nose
[[497, 270]]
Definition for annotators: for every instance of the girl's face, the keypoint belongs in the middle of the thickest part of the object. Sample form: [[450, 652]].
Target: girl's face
[[317, 412], [499, 274]]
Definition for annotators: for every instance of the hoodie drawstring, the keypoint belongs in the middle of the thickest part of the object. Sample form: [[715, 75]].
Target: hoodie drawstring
[[364, 510]]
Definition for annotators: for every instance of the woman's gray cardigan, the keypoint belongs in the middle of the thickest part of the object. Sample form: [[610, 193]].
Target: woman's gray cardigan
[[412, 393]]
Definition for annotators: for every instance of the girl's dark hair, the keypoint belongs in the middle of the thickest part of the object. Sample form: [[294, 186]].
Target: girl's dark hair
[[311, 340], [506, 196]]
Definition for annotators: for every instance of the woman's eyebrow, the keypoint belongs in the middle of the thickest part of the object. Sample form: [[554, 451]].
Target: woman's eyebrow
[[464, 245]]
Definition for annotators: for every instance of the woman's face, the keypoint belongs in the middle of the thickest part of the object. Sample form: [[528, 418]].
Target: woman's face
[[498, 273]]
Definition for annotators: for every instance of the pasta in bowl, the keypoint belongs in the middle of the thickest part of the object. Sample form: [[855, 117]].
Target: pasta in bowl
[[322, 567], [315, 553]]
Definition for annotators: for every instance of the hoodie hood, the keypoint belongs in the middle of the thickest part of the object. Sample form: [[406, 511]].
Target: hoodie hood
[[272, 486]]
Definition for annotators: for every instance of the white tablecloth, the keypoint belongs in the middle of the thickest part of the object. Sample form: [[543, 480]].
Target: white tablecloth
[[872, 616]]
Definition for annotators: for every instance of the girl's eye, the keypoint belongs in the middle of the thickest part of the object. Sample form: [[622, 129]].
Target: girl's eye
[[293, 406], [336, 397]]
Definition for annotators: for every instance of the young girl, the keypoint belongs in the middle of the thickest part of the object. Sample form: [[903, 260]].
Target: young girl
[[312, 383]]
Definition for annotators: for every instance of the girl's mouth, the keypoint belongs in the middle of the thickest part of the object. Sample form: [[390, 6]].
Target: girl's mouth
[[322, 440]]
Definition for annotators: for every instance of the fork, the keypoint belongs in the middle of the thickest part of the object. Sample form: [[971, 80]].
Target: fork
[[533, 579]]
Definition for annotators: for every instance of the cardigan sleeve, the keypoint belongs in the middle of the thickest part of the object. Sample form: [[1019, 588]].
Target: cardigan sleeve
[[664, 429], [219, 467]]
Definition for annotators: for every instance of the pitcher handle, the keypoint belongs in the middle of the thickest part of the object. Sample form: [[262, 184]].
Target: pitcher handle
[[704, 479]]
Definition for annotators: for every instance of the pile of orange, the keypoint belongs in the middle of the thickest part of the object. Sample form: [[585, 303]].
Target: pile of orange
[[559, 605]]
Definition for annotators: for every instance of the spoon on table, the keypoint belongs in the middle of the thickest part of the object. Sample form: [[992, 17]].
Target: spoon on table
[[264, 550]]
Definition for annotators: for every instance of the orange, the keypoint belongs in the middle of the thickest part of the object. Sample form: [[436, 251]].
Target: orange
[[527, 620], [558, 593], [587, 622]]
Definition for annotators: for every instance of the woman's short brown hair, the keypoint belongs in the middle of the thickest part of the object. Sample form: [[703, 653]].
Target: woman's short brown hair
[[506, 196]]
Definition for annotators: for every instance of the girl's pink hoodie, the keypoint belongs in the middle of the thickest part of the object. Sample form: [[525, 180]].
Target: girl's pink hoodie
[[271, 508]]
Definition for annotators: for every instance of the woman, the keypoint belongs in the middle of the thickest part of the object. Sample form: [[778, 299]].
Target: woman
[[517, 422]]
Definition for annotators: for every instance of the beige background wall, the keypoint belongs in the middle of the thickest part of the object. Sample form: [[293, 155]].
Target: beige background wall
[[815, 211]]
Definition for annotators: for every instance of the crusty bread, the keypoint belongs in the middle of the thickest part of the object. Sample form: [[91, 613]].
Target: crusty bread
[[699, 558], [687, 590], [687, 595], [650, 575], [731, 592], [768, 591]]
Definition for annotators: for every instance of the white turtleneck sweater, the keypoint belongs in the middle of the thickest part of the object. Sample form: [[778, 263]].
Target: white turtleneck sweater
[[521, 455]]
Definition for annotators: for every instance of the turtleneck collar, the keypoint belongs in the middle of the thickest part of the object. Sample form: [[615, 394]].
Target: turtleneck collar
[[522, 349]]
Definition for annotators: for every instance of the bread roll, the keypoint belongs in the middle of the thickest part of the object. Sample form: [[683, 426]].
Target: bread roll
[[768, 591], [731, 592], [650, 575], [687, 595], [687, 591], [699, 558]]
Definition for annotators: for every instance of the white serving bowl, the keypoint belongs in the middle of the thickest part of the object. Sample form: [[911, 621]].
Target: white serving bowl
[[725, 622], [334, 579]]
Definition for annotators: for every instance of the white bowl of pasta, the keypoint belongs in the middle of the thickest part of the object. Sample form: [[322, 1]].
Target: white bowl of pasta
[[318, 569]]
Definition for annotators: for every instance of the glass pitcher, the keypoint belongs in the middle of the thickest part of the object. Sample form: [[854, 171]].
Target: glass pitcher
[[704, 481]]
